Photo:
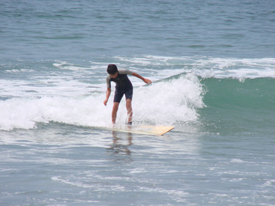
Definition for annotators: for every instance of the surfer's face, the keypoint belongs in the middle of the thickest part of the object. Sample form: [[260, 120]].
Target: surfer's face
[[114, 75]]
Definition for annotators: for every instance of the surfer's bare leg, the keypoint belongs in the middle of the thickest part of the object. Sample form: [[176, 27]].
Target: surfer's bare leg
[[129, 110], [114, 112]]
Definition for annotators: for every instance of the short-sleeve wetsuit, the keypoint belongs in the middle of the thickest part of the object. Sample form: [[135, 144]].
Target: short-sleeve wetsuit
[[123, 85]]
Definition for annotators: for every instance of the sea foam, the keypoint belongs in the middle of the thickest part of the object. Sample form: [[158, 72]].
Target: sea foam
[[165, 102]]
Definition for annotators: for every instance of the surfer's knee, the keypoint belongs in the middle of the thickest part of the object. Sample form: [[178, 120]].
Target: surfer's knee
[[129, 105], [115, 106]]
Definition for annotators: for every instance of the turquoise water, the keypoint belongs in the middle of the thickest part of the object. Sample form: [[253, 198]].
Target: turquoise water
[[212, 64]]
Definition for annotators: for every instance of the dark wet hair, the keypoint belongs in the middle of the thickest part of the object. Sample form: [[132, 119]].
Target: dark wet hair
[[112, 69]]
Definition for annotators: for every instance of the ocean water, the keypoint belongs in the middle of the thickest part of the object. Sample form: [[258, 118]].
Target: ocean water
[[212, 64]]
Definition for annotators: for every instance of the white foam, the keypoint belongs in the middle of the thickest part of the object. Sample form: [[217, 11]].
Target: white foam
[[235, 68], [54, 86], [237, 161], [73, 94], [163, 102], [24, 113], [269, 183], [169, 102], [205, 67]]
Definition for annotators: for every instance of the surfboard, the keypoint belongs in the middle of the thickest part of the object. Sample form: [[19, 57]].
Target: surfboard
[[144, 129]]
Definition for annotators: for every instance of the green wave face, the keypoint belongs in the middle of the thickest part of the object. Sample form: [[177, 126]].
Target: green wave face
[[233, 106]]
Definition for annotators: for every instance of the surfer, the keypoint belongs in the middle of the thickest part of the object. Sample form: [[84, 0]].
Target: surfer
[[123, 87]]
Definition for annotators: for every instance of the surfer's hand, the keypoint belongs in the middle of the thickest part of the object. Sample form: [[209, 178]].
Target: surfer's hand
[[105, 102], [147, 81]]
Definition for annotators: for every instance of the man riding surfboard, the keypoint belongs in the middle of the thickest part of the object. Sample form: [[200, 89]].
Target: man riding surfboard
[[123, 87]]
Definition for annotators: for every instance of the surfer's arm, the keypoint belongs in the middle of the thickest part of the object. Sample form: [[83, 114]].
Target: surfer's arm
[[108, 93], [147, 81]]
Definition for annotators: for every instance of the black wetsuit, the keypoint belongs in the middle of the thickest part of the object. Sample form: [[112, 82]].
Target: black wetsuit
[[123, 85]]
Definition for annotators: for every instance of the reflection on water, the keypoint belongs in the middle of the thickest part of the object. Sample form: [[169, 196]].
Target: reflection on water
[[119, 149]]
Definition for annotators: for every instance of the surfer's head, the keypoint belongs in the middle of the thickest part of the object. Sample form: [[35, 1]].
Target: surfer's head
[[112, 69]]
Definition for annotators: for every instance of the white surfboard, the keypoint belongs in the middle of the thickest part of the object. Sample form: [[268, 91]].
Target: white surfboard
[[144, 129]]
